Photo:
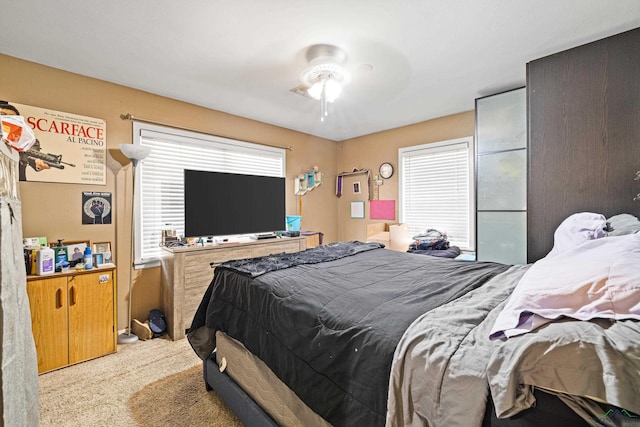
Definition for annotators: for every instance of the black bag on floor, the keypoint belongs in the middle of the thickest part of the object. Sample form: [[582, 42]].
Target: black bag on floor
[[157, 323]]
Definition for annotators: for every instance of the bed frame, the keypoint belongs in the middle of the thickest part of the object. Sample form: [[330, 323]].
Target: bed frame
[[245, 408], [550, 411]]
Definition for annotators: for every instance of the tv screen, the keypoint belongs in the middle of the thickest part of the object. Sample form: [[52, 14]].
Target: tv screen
[[220, 204]]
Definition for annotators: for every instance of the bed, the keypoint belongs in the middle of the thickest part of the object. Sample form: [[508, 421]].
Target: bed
[[354, 334]]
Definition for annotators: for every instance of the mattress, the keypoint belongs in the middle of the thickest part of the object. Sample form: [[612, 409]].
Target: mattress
[[262, 385], [260, 399]]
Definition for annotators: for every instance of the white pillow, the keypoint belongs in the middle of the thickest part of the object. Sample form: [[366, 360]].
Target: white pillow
[[577, 229]]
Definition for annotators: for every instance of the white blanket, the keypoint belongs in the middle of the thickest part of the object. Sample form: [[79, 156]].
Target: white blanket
[[596, 279]]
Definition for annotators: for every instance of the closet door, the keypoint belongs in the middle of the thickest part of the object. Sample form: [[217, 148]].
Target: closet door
[[584, 135], [501, 177]]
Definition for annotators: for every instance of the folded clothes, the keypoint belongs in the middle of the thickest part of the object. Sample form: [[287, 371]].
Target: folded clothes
[[430, 239]]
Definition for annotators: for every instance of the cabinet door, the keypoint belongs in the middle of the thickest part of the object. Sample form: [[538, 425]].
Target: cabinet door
[[48, 302], [91, 316]]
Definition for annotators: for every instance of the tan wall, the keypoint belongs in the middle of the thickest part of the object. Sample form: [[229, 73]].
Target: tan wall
[[369, 151], [53, 210]]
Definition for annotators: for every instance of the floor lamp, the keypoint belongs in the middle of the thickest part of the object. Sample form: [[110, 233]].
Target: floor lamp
[[135, 153]]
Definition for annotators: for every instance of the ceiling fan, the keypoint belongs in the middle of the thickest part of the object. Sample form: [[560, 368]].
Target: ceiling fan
[[325, 76]]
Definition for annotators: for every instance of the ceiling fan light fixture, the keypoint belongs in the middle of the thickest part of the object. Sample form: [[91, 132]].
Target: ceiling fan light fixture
[[325, 76], [331, 87], [315, 91]]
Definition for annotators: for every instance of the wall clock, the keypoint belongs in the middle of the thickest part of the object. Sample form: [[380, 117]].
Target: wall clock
[[386, 170]]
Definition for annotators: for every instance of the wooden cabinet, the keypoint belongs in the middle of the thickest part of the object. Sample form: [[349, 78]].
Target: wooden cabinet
[[73, 316], [312, 238], [187, 272]]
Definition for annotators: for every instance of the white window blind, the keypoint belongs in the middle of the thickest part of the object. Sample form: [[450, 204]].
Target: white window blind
[[436, 189], [160, 177]]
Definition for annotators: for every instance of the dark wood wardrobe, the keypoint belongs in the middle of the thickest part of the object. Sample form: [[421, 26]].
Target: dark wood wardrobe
[[583, 108]]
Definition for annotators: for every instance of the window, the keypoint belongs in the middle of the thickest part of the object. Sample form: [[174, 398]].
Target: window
[[436, 189], [159, 178]]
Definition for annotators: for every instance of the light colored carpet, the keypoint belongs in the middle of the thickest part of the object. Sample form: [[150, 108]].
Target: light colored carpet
[[97, 392]]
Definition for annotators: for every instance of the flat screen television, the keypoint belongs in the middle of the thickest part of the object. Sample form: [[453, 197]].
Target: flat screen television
[[222, 204]]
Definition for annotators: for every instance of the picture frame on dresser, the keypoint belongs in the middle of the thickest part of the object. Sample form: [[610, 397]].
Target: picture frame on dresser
[[103, 249], [75, 249]]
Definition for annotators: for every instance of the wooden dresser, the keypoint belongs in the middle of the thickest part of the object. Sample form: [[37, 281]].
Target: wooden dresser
[[73, 316], [187, 272]]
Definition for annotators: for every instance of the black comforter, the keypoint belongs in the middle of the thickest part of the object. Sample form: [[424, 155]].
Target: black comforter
[[329, 329]]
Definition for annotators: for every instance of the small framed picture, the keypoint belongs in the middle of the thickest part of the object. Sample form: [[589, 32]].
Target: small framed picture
[[101, 247], [356, 187], [357, 209], [75, 250], [104, 249]]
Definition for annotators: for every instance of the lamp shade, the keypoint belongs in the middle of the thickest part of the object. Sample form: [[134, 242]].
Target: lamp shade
[[135, 152]]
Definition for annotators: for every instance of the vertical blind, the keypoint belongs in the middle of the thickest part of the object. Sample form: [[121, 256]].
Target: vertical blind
[[436, 189], [160, 177]]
